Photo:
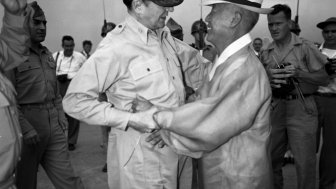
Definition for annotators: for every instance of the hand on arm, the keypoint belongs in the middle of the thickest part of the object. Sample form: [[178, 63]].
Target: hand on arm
[[141, 104], [143, 121]]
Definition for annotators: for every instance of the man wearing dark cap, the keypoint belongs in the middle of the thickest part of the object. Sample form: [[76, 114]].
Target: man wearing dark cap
[[326, 101], [138, 58], [41, 115], [295, 69], [14, 40]]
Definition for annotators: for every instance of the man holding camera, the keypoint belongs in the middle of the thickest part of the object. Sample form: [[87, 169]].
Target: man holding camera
[[296, 69], [68, 63], [326, 103]]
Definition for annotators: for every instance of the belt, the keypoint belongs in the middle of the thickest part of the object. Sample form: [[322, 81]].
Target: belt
[[43, 105], [291, 96], [325, 94]]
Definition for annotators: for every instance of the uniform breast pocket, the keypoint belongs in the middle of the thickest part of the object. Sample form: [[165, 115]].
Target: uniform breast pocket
[[29, 73], [149, 78]]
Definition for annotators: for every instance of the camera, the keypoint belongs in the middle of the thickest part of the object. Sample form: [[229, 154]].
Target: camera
[[285, 89]]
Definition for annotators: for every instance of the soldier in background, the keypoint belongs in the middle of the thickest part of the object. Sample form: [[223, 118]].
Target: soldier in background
[[198, 31]]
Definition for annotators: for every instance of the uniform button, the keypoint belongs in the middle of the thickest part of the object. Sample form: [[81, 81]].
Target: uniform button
[[173, 77], [148, 69]]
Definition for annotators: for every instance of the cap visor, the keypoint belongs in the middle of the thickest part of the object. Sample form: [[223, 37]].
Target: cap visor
[[167, 3]]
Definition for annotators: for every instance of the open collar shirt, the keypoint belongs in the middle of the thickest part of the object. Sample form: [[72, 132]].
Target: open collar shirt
[[306, 58], [69, 65]]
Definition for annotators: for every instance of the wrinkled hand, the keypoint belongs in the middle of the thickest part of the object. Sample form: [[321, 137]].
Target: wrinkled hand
[[144, 121], [14, 6], [31, 138], [155, 139]]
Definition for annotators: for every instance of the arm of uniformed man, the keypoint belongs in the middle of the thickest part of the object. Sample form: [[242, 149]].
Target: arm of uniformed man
[[98, 73]]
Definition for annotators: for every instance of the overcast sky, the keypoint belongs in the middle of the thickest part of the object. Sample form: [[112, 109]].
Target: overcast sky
[[83, 18]]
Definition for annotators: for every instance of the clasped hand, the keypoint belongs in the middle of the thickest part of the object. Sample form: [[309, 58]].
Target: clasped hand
[[280, 76], [143, 120]]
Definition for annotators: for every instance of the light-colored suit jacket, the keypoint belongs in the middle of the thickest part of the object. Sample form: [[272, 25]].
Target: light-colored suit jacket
[[229, 127]]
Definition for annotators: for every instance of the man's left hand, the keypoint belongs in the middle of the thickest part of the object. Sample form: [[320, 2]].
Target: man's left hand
[[156, 139]]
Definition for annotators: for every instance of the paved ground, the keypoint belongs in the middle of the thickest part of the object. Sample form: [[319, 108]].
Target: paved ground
[[88, 159]]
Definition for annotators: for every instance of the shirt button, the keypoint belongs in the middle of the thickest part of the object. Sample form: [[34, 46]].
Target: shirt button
[[148, 69], [173, 77]]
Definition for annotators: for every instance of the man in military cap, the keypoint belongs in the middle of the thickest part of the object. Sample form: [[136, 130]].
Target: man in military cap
[[138, 58], [199, 31], [41, 115]]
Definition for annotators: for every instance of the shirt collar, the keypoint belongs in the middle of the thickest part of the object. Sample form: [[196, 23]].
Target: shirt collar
[[41, 49], [138, 28], [230, 50], [142, 30]]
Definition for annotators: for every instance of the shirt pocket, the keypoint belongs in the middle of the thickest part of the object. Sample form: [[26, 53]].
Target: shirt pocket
[[29, 73], [150, 79]]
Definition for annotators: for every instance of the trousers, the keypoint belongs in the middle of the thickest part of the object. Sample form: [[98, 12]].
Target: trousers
[[327, 121], [51, 152], [294, 122], [73, 128]]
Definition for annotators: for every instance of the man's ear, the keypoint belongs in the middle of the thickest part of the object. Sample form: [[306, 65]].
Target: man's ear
[[236, 19], [137, 6]]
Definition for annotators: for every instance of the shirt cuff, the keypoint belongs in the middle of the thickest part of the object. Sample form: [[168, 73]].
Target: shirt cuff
[[123, 118]]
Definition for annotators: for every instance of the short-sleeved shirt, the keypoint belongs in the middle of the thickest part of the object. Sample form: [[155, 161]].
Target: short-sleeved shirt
[[301, 53]]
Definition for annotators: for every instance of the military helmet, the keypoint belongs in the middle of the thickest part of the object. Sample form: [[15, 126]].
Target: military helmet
[[199, 25]]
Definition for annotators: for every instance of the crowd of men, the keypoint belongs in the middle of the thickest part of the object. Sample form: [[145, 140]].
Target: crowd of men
[[174, 115]]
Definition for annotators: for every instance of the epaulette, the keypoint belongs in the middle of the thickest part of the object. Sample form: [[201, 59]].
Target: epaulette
[[119, 28]]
